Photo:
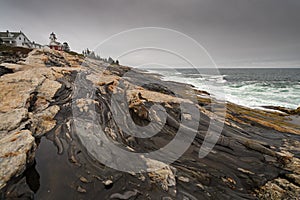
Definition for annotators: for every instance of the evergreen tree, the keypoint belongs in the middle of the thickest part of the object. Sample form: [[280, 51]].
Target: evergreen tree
[[110, 60], [66, 47]]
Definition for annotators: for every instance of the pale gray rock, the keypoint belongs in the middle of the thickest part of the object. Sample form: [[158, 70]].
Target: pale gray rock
[[17, 150], [12, 119]]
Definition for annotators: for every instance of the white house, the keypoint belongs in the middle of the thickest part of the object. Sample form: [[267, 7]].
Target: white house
[[18, 39], [36, 45]]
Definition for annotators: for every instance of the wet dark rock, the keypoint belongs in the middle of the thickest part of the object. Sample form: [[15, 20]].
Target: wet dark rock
[[9, 54], [158, 88], [285, 110], [4, 70], [32, 178], [296, 111], [18, 190]]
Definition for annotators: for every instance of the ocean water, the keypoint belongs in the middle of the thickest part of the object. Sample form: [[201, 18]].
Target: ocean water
[[248, 87]]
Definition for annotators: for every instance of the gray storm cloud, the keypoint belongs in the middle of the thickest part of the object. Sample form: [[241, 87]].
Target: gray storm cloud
[[235, 32]]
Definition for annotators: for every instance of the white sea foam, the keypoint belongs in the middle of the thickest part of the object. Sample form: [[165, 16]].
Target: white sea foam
[[250, 93]]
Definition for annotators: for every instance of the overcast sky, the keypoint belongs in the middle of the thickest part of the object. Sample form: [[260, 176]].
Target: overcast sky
[[234, 32]]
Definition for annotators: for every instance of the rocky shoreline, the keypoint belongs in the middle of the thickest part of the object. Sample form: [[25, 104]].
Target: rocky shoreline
[[43, 155]]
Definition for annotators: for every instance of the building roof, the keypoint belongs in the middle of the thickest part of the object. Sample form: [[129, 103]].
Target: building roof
[[4, 35], [14, 34], [35, 44], [55, 43]]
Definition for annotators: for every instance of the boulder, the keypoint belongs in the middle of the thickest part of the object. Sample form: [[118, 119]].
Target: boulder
[[12, 119], [16, 152], [44, 121], [163, 176]]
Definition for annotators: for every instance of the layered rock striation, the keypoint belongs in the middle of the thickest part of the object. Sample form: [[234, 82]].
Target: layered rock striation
[[46, 94]]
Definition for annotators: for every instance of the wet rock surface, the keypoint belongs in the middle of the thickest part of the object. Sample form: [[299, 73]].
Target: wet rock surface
[[4, 70], [44, 153], [284, 110]]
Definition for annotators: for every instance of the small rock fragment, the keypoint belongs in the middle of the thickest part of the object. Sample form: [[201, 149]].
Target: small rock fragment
[[164, 175], [83, 179], [184, 179], [200, 186], [187, 116], [108, 183], [245, 171], [81, 189]]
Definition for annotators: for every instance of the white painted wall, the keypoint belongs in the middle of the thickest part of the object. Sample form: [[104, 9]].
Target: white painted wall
[[22, 41]]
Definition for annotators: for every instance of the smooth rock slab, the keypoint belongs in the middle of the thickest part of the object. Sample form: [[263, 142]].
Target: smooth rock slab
[[16, 151], [12, 120]]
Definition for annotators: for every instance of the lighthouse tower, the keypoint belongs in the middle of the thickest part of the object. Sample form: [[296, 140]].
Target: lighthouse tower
[[53, 43], [52, 37]]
